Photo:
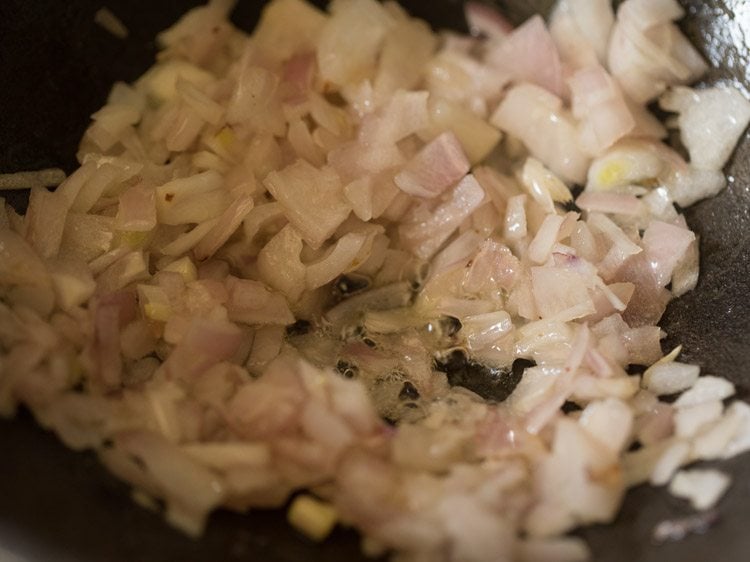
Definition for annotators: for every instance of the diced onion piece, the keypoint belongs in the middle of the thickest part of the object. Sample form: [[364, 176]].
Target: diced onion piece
[[129, 268], [406, 113], [161, 80], [688, 421], [288, 26], [49, 177], [515, 217], [111, 124], [45, 221], [705, 388], [382, 298], [279, 263], [530, 55], [541, 246], [359, 194], [350, 39], [740, 441], [560, 294], [303, 144], [425, 235], [188, 240], [154, 302], [622, 246], [266, 347], [665, 245], [486, 20], [543, 185], [702, 487], [669, 462], [603, 114], [609, 421], [646, 14], [73, 283], [228, 222], [223, 455], [191, 490], [670, 378], [136, 211], [435, 168], [252, 303], [191, 200], [259, 216], [477, 137], [689, 185], [208, 110], [255, 102], [407, 47], [185, 267], [462, 79], [87, 236], [625, 164], [615, 203], [685, 274], [341, 259], [711, 122], [206, 343], [493, 266], [581, 30], [483, 330], [647, 52], [538, 118], [312, 199], [712, 440]]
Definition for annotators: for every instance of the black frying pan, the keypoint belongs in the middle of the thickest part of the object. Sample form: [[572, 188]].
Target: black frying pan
[[56, 67]]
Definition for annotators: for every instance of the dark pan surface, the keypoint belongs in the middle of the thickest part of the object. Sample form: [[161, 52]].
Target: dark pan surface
[[56, 67]]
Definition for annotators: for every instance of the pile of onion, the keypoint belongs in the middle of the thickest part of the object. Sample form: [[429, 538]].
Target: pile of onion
[[405, 278]]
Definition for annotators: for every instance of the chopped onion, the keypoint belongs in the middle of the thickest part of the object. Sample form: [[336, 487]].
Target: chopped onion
[[559, 294], [252, 303], [702, 487], [205, 343], [669, 462], [477, 136], [484, 20], [688, 421], [529, 54], [647, 52], [45, 221], [227, 224], [711, 122], [312, 199], [425, 236], [305, 260], [341, 259], [49, 177], [670, 378], [601, 108], [280, 265], [357, 28], [538, 118], [705, 388], [137, 210], [436, 167], [192, 490], [581, 30]]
